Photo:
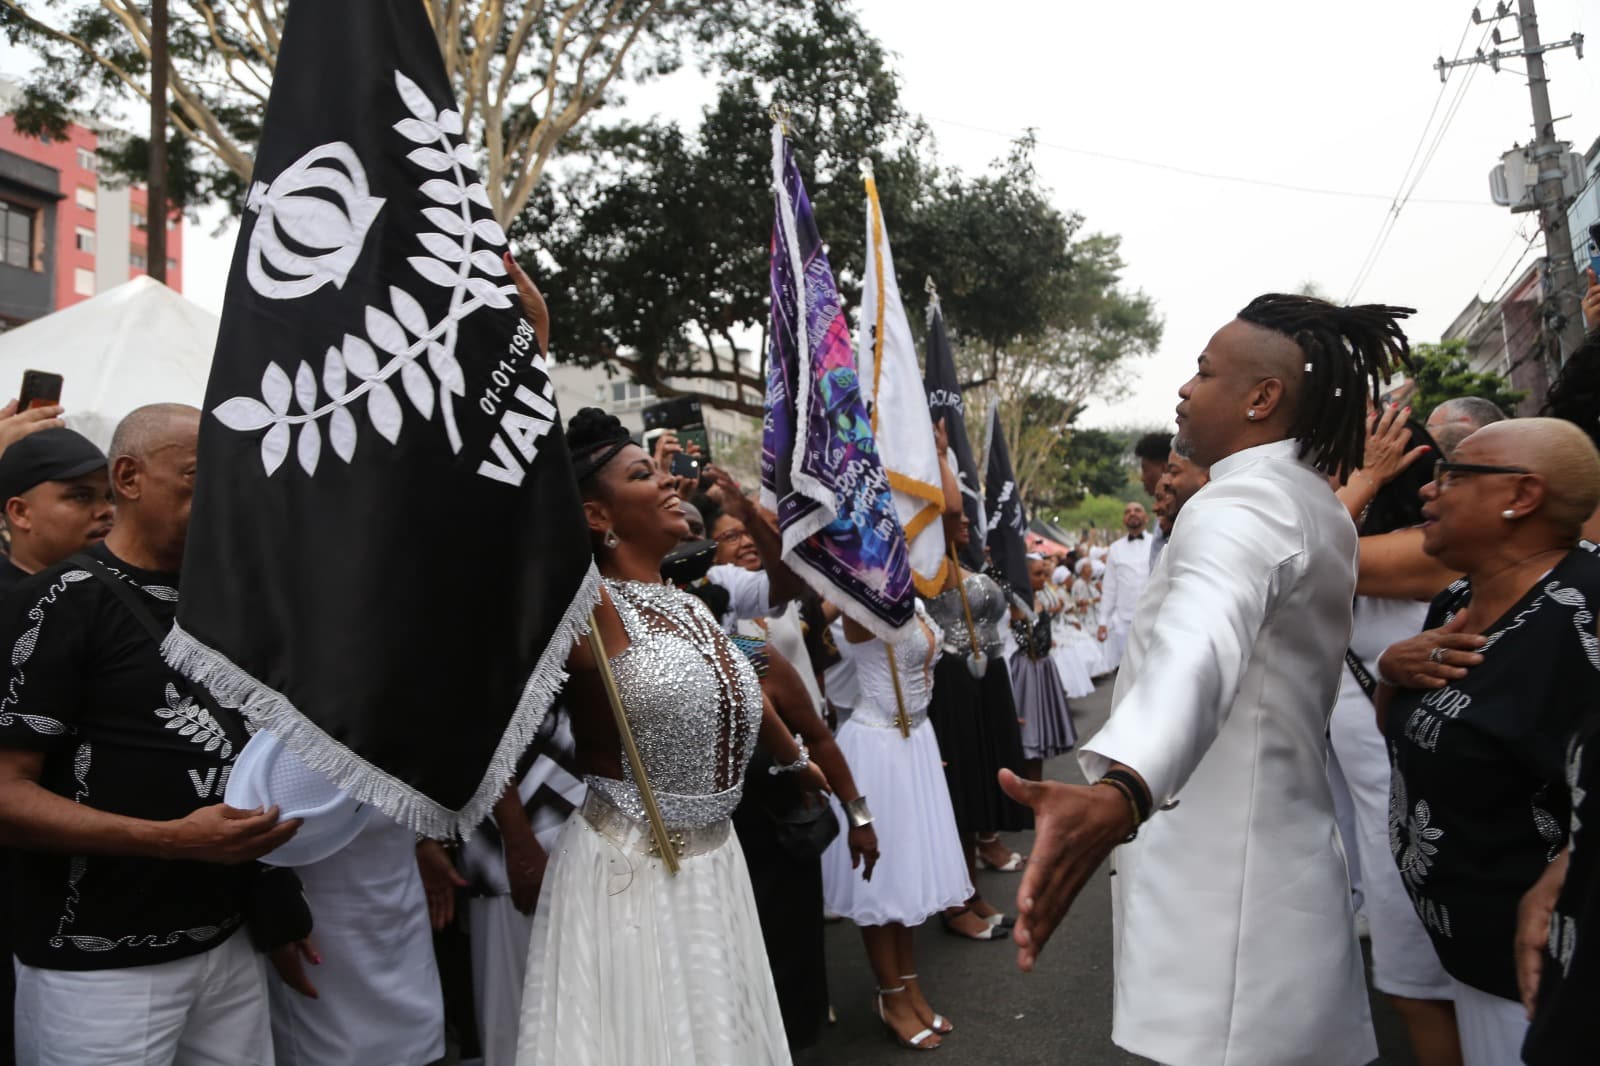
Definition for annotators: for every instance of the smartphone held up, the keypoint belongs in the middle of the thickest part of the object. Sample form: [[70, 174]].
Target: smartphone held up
[[39, 388]]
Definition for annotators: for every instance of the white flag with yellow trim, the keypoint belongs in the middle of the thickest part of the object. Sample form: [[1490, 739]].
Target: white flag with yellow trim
[[892, 381]]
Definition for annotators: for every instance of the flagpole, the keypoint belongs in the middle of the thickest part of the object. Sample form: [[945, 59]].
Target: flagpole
[[900, 718], [658, 828]]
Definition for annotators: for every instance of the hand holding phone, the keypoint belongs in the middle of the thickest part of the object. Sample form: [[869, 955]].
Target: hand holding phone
[[39, 389]]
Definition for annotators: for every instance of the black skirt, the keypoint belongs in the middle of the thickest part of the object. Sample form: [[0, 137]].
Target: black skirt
[[976, 724], [788, 895]]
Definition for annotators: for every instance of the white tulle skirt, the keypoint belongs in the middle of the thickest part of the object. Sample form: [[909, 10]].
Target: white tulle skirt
[[1074, 671], [630, 966], [920, 868]]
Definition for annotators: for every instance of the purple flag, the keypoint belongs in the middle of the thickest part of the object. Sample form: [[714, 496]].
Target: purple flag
[[820, 469]]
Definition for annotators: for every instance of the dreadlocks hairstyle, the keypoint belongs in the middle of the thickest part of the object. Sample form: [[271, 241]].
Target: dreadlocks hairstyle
[[1348, 352]]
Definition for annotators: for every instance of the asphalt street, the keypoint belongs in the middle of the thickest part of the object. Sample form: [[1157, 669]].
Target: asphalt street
[[1060, 1013]]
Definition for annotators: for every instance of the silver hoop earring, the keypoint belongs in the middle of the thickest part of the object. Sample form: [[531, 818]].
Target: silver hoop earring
[[1250, 414], [1508, 514], [611, 540]]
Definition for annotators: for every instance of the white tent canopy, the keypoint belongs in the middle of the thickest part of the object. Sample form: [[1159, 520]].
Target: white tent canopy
[[135, 344]]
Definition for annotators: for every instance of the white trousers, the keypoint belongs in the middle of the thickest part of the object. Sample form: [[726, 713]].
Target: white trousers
[[500, 936], [1491, 1028], [206, 1010]]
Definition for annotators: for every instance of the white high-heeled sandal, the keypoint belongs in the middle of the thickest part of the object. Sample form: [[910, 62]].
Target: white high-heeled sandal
[[919, 1039], [941, 1025]]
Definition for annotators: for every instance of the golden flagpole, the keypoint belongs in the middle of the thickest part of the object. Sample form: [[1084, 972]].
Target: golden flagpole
[[658, 828], [961, 590], [900, 718]]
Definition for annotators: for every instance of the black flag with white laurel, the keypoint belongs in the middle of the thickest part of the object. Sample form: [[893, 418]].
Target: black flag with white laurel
[[1007, 521], [387, 562], [944, 401]]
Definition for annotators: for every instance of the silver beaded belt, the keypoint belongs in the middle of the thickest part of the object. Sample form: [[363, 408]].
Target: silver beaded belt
[[634, 835]]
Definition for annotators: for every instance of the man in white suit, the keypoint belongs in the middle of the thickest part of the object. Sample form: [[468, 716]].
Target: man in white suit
[[1127, 571], [1234, 940]]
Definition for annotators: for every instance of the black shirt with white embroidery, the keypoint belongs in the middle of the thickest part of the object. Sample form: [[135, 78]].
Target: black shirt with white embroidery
[[87, 686], [1566, 1026], [1478, 801]]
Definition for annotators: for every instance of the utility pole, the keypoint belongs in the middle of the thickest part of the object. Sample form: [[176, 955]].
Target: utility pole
[[155, 254], [1563, 317]]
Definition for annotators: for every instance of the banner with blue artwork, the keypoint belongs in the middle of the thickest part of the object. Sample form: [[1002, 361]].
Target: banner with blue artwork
[[820, 469]]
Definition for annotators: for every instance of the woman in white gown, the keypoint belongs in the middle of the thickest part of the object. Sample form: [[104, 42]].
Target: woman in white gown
[[1055, 600], [922, 871], [1086, 616], [629, 964]]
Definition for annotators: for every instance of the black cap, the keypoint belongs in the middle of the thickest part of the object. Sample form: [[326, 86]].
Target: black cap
[[48, 455]]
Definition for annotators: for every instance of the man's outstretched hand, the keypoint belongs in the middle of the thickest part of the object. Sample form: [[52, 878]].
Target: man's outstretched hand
[[1075, 828]]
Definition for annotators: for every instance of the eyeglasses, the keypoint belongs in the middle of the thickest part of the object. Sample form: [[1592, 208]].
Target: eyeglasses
[[732, 536], [1445, 472]]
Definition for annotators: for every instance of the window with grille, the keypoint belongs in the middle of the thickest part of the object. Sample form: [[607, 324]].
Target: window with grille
[[16, 235]]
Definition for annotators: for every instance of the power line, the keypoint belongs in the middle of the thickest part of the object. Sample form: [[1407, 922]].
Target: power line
[[1417, 165], [1206, 174]]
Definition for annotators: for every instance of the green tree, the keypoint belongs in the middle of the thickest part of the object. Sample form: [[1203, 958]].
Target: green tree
[[526, 75], [1442, 371]]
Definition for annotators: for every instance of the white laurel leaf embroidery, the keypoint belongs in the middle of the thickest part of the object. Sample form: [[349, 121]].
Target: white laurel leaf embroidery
[[490, 263], [441, 247], [463, 155], [476, 193], [408, 311], [431, 159], [384, 410], [415, 99], [275, 446], [450, 121], [487, 229], [73, 576], [305, 387], [443, 192], [446, 368], [434, 271], [416, 131], [418, 388], [359, 357], [162, 592], [342, 433], [334, 378], [449, 221], [243, 414], [385, 331], [310, 449], [275, 388], [490, 294]]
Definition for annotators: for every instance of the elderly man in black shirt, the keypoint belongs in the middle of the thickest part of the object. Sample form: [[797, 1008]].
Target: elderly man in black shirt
[[132, 880]]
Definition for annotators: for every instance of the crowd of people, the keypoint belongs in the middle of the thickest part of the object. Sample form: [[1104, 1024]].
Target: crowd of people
[[1344, 625]]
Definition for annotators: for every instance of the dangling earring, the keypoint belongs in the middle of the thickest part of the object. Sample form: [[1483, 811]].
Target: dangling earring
[[1250, 414], [1508, 514], [611, 540]]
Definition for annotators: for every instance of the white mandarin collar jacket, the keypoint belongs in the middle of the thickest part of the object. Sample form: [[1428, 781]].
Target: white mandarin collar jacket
[[1235, 942]]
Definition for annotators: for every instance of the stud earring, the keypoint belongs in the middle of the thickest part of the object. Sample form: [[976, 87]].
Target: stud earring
[[1250, 414], [1508, 514], [611, 540]]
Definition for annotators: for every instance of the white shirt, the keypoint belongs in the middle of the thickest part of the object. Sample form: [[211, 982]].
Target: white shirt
[[1127, 571], [749, 593], [1234, 941]]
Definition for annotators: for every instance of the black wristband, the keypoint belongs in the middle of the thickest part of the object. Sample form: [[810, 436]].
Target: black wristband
[[1136, 791]]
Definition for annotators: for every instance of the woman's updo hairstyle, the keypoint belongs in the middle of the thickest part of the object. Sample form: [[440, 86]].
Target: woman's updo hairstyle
[[594, 438]]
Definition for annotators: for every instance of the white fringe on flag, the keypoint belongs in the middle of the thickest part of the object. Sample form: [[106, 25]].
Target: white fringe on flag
[[269, 709]]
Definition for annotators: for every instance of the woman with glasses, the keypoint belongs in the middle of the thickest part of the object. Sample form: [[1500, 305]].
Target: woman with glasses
[[1478, 708]]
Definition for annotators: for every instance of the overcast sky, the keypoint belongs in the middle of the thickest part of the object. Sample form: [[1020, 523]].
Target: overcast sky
[[1321, 96]]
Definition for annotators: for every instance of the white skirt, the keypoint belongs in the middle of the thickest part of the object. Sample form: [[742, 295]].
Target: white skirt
[[631, 966], [920, 869], [1075, 677]]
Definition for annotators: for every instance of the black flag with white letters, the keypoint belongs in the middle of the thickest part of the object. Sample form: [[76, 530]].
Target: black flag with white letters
[[944, 401], [1007, 521], [387, 562]]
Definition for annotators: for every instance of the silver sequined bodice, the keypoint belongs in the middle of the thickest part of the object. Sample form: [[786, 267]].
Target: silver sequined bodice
[[988, 605], [693, 701]]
